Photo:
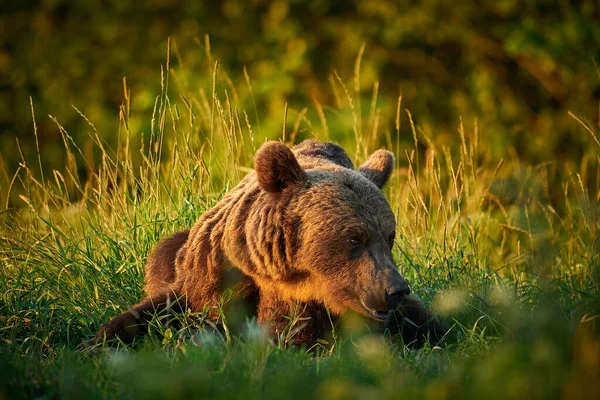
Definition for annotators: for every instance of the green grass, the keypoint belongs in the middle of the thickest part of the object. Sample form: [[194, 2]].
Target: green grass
[[507, 253]]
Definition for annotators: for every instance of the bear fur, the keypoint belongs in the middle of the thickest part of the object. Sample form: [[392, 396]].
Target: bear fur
[[304, 231]]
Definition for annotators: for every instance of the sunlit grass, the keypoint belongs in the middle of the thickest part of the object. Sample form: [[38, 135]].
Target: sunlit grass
[[511, 266]]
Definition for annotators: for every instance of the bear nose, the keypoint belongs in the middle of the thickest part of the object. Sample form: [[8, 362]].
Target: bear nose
[[396, 293]]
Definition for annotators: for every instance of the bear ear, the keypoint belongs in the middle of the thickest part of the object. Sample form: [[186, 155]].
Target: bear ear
[[277, 168], [378, 167]]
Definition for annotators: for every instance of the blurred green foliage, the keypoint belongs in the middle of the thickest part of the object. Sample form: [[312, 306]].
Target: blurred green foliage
[[516, 66]]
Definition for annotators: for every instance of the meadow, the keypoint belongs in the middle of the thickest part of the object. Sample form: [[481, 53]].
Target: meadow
[[506, 251]]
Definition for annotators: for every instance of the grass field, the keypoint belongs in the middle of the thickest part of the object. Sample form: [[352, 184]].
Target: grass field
[[507, 253]]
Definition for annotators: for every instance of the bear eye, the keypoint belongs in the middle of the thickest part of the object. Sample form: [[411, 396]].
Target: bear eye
[[354, 241]]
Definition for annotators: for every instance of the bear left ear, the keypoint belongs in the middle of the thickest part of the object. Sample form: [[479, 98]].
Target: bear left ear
[[277, 168], [378, 167]]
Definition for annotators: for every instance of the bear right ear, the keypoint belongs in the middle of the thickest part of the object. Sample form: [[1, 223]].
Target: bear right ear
[[277, 168], [378, 167]]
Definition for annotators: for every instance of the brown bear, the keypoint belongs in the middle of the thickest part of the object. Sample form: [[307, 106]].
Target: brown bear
[[305, 231]]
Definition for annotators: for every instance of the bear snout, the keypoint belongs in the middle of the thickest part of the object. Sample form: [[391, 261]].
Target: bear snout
[[396, 293], [386, 291], [394, 288]]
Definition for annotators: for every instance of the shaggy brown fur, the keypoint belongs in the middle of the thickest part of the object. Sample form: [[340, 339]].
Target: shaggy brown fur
[[307, 231]]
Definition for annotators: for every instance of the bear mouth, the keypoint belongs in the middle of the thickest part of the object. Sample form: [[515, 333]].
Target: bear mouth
[[378, 315]]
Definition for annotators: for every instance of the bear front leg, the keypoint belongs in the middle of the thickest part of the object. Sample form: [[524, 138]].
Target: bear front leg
[[414, 323], [134, 322], [292, 322]]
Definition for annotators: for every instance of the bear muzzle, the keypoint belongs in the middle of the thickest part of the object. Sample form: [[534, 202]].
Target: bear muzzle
[[380, 306], [396, 293]]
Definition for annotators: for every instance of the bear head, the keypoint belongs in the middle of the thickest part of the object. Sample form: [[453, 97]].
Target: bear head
[[344, 231]]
